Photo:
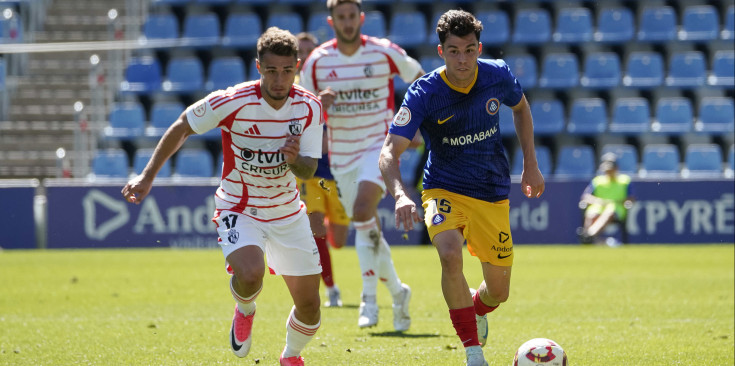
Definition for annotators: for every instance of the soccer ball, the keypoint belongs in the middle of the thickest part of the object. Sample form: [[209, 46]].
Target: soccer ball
[[540, 352]]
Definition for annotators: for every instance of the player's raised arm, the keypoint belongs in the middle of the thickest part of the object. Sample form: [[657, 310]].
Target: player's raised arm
[[532, 182], [405, 210], [139, 187]]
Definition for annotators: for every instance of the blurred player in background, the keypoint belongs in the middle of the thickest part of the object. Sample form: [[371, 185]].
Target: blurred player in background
[[329, 221], [272, 132], [606, 200], [467, 178], [353, 76]]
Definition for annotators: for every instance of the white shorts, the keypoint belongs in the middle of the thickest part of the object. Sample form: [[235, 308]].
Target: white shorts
[[289, 248], [348, 182]]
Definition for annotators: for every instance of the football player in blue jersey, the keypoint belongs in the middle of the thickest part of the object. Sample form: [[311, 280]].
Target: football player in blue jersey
[[466, 177]]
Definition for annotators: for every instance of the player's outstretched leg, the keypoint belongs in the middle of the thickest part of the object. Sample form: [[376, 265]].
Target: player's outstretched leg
[[298, 334], [481, 322]]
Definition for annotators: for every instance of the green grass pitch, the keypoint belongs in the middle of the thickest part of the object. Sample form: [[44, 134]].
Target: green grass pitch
[[635, 305]]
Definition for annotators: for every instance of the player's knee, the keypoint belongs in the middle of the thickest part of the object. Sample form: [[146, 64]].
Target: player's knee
[[497, 295], [309, 309], [249, 276], [362, 211], [450, 258]]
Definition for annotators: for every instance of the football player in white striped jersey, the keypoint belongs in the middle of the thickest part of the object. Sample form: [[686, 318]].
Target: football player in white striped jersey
[[271, 133]]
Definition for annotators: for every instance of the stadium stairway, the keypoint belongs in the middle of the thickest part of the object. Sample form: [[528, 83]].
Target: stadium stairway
[[41, 116]]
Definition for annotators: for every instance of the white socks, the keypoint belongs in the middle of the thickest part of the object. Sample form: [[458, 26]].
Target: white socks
[[298, 335], [374, 255], [246, 305]]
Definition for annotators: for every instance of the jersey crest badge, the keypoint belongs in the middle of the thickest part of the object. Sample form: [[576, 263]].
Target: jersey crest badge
[[294, 127], [492, 106], [200, 110], [437, 219]]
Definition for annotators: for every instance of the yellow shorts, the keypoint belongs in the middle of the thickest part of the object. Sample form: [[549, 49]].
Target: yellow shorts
[[485, 225], [324, 200]]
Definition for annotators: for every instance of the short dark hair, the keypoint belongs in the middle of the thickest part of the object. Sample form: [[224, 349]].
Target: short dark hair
[[331, 4], [277, 41], [306, 36], [457, 22]]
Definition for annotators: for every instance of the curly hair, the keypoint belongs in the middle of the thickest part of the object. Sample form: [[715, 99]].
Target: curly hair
[[459, 23], [331, 4], [277, 41]]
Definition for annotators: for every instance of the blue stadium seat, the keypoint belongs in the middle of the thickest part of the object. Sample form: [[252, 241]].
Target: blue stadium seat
[[126, 121], [673, 116], [496, 25], [289, 21], [253, 73], [644, 70], [140, 159], [429, 63], [170, 2], [253, 2], [615, 25], [543, 157], [184, 75], [703, 159], [317, 25], [374, 24], [142, 76], [214, 2], [723, 69], [627, 157], [660, 159], [573, 25], [601, 70], [407, 29], [225, 72], [548, 117], [588, 116], [110, 163], [532, 26], [700, 23], [163, 114], [523, 68], [631, 116], [507, 128], [687, 69], [559, 70], [728, 30], [200, 30], [716, 115], [161, 27], [657, 24], [11, 27], [731, 158], [295, 2], [575, 161], [432, 37], [193, 162], [242, 30]]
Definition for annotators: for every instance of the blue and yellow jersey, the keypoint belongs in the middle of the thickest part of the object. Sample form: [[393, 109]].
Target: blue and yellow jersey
[[461, 129]]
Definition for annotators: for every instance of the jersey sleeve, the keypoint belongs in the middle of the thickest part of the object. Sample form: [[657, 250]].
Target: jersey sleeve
[[311, 138], [514, 91], [201, 116], [411, 114], [407, 67]]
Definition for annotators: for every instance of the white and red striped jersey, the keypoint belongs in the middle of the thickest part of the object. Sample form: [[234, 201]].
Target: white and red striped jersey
[[256, 180], [364, 107]]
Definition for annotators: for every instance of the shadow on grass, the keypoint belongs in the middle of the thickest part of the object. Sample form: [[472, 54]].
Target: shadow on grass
[[403, 335]]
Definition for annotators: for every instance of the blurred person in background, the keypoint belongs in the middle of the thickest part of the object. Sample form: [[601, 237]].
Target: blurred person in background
[[329, 221], [353, 76], [606, 201], [271, 133]]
